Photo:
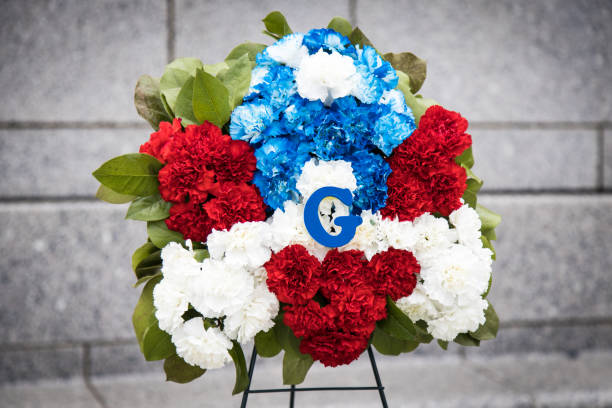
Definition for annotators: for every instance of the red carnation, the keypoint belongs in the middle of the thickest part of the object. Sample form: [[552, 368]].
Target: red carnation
[[394, 272], [293, 275], [309, 318], [334, 348], [343, 268], [425, 177], [234, 203], [359, 307], [157, 145], [189, 220]]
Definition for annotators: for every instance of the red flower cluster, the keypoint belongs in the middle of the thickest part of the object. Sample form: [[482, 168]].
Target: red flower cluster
[[334, 305], [425, 177], [206, 176]]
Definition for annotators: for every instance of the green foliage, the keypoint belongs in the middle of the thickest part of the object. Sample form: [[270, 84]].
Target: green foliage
[[178, 371], [487, 330], [488, 218], [132, 174], [175, 76], [146, 278], [341, 25], [141, 253], [150, 265], [216, 69], [237, 79], [154, 343], [147, 98], [160, 235], [151, 208], [106, 194], [418, 104], [183, 108], [266, 343], [466, 339], [389, 345], [200, 254], [397, 324], [357, 37], [242, 376], [466, 159], [210, 99], [411, 65], [276, 25], [247, 48], [295, 364], [443, 344]]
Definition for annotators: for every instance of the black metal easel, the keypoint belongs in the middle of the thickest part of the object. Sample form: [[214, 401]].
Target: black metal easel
[[292, 390]]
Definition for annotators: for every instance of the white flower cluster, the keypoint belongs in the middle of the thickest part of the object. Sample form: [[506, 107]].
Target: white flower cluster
[[228, 285], [231, 284]]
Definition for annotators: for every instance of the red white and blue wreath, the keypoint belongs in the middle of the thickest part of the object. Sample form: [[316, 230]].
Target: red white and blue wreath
[[302, 196]]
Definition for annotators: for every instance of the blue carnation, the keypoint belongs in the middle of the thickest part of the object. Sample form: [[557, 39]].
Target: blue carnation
[[371, 172], [370, 62], [327, 39], [391, 129], [250, 120]]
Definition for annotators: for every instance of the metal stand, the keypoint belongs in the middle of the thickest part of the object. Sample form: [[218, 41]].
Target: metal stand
[[292, 390]]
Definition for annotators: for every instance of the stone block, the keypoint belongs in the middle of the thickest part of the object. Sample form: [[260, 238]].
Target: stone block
[[60, 162], [78, 61], [505, 60], [37, 364]]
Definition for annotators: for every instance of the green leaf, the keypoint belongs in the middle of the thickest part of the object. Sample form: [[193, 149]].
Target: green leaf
[[216, 69], [400, 316], [210, 99], [175, 76], [489, 233], [249, 48], [160, 235], [178, 371], [466, 340], [471, 176], [466, 158], [242, 376], [152, 208], [295, 367], [389, 345], [487, 330], [285, 336], [422, 335], [276, 25], [106, 194], [133, 174], [418, 105], [488, 218], [157, 344], [146, 278], [411, 65], [397, 324], [183, 107], [200, 254], [144, 312], [266, 343], [341, 25], [357, 37], [141, 253], [150, 265], [488, 244], [443, 344], [237, 79], [148, 101], [470, 198], [484, 295]]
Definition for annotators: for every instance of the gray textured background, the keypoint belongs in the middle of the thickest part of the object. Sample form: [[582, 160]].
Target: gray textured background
[[533, 78]]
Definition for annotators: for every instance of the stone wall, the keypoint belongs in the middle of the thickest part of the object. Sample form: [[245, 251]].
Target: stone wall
[[533, 78]]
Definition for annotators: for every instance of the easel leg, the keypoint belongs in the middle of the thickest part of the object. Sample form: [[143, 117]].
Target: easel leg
[[381, 389], [292, 397], [245, 394]]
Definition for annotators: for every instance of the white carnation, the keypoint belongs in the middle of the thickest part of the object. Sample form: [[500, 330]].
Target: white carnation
[[245, 244], [205, 348], [467, 224], [458, 319], [399, 234], [369, 238], [432, 235], [455, 276], [317, 174], [171, 303], [220, 289], [256, 315], [417, 305], [178, 263], [326, 77], [287, 228], [288, 50]]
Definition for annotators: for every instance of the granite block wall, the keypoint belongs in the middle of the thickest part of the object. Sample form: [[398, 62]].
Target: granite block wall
[[533, 78]]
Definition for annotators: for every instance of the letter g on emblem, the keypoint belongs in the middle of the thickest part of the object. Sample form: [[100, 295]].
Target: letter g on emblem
[[348, 223]]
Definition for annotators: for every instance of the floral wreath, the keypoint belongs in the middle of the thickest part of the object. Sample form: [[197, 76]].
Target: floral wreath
[[241, 147]]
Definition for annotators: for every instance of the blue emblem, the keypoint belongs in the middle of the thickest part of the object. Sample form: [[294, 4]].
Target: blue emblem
[[348, 223]]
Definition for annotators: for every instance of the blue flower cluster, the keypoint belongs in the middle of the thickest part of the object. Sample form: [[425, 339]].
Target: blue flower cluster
[[286, 130]]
